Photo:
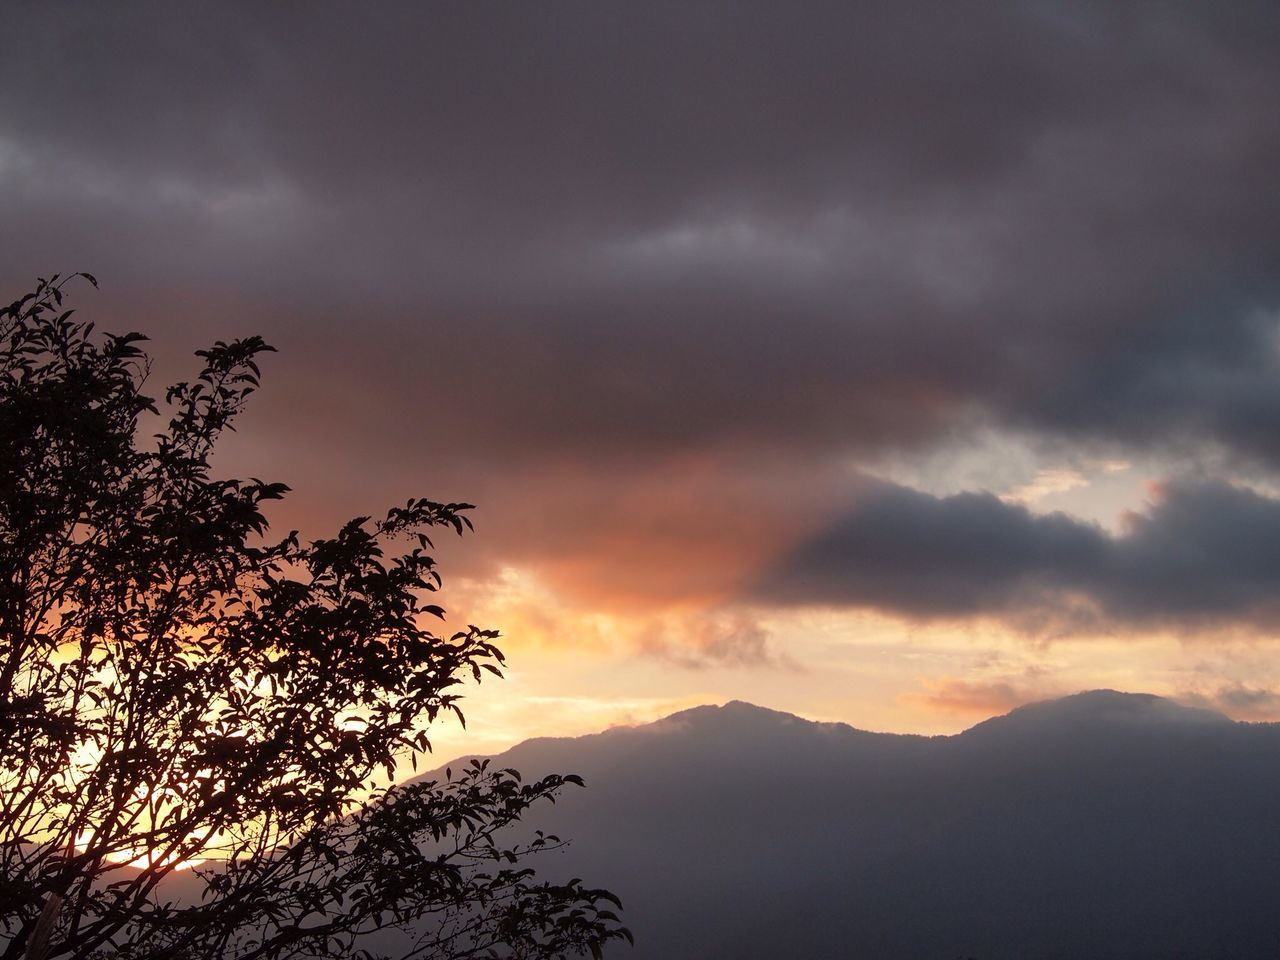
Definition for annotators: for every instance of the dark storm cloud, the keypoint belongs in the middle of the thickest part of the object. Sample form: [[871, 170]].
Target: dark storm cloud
[[655, 225], [914, 553], [1202, 553], [533, 255]]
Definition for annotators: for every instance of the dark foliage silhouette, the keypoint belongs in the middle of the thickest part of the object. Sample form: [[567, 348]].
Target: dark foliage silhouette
[[194, 717]]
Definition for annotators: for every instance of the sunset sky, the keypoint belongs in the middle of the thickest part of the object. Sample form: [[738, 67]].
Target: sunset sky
[[894, 363]]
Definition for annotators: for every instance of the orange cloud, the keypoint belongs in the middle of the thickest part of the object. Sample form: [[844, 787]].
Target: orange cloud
[[982, 697], [688, 530]]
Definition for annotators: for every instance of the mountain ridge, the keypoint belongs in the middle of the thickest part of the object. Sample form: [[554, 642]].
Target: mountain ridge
[[1087, 707], [1111, 825]]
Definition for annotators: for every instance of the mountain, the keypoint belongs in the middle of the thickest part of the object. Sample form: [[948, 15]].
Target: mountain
[[1103, 825]]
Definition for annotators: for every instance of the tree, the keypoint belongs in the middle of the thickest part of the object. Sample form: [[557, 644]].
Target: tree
[[187, 702]]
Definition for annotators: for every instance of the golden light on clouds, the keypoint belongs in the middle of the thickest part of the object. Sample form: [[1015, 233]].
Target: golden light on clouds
[[575, 670]]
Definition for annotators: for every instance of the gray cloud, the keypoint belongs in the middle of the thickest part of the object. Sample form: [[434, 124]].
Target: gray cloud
[[1202, 553], [736, 643], [1239, 700], [501, 245], [652, 226]]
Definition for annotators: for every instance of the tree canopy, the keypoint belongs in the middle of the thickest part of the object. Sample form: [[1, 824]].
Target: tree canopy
[[195, 715]]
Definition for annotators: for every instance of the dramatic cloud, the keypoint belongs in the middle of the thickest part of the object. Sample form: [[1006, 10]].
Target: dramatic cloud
[[645, 227], [648, 281], [1201, 554]]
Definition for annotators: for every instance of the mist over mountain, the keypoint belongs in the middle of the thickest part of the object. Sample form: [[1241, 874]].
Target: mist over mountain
[[1103, 825]]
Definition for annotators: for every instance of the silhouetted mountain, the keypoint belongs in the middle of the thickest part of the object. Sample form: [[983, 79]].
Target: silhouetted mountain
[[1103, 825]]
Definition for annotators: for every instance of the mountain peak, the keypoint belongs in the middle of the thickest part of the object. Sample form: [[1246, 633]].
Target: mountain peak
[[734, 711], [1108, 708]]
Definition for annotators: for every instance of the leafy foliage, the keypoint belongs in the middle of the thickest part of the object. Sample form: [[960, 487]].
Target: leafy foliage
[[177, 688]]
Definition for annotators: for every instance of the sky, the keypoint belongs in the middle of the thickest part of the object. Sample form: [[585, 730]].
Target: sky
[[893, 362]]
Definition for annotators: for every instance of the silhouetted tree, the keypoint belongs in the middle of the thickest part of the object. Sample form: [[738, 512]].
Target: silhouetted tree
[[179, 689]]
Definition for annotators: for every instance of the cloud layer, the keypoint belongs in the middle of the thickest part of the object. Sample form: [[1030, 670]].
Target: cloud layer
[[1202, 553], [652, 227], [533, 258]]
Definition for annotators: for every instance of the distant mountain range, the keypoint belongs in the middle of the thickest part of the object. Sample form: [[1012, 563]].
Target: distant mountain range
[[1103, 826]]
